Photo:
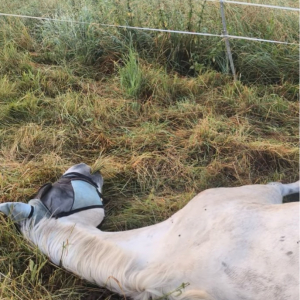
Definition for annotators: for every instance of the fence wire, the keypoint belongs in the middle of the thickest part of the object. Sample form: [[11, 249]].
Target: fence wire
[[224, 34], [151, 29], [259, 5]]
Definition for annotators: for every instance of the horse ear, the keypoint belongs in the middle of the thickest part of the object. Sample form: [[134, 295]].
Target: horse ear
[[17, 211], [98, 179]]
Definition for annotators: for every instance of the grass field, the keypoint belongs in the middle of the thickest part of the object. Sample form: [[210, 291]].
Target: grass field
[[157, 113]]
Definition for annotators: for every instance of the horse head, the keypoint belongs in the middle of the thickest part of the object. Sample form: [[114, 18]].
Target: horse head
[[75, 197]]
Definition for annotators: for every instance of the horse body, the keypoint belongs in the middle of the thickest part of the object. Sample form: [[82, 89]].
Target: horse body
[[225, 244]]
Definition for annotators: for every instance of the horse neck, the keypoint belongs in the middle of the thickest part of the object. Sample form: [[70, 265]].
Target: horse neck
[[116, 260], [143, 242]]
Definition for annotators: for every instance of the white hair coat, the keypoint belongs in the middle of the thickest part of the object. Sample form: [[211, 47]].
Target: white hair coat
[[225, 244]]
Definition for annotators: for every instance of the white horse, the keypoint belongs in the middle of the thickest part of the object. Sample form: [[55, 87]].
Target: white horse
[[236, 243]]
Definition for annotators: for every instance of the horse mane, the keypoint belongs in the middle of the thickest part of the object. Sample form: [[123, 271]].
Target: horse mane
[[86, 252]]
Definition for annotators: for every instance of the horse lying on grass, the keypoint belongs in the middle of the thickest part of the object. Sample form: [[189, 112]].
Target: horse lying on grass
[[226, 244]]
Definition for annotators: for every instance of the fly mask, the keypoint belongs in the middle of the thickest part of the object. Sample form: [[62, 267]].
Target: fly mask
[[76, 195]]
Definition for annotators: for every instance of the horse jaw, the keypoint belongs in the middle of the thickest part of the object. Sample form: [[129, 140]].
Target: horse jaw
[[91, 217]]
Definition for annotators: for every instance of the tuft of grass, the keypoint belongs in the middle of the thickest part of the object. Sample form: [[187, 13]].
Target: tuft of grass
[[7, 89], [131, 77], [13, 61]]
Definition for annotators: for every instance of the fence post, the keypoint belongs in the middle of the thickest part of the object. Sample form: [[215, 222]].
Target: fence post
[[225, 34]]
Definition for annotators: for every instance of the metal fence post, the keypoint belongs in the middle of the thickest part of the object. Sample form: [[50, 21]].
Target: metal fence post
[[225, 34]]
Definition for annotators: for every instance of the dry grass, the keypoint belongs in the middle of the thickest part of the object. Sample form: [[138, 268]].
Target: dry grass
[[157, 136]]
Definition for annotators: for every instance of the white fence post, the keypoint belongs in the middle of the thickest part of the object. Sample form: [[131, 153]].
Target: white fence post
[[225, 34]]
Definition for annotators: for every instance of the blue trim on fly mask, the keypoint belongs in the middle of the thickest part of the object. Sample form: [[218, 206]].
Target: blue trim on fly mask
[[85, 195]]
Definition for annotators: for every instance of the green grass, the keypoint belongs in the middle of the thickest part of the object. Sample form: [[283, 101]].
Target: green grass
[[156, 113], [89, 43], [131, 77]]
